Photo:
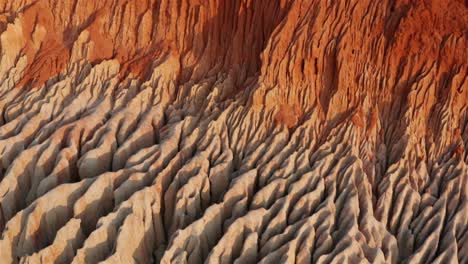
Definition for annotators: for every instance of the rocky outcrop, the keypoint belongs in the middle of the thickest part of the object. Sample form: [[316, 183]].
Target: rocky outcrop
[[193, 131]]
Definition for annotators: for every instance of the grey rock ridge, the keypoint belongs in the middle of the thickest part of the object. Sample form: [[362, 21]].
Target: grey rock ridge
[[237, 131]]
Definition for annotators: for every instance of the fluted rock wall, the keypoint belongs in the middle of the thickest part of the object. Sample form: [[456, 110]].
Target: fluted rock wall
[[241, 131]]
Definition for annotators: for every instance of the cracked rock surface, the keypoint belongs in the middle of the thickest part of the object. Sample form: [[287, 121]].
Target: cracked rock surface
[[240, 131]]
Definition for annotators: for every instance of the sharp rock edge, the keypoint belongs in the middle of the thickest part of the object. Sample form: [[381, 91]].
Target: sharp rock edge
[[243, 131]]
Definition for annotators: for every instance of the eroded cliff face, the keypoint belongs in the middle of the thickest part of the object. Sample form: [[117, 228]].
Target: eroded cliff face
[[238, 131]]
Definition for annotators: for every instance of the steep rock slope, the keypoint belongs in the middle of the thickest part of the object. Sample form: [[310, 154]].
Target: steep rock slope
[[238, 131]]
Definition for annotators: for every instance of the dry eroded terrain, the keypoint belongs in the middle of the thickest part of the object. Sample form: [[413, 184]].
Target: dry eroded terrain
[[240, 131]]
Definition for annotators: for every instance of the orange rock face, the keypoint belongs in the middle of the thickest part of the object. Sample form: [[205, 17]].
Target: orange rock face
[[240, 131]]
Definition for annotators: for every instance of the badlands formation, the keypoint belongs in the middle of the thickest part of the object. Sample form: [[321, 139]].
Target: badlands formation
[[233, 131]]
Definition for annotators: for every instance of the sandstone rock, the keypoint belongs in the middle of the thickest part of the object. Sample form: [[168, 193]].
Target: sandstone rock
[[295, 131]]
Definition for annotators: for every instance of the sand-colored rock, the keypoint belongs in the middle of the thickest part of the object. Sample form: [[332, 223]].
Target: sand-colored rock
[[243, 131]]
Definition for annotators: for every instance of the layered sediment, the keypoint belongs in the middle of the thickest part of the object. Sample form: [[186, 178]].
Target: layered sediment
[[243, 131]]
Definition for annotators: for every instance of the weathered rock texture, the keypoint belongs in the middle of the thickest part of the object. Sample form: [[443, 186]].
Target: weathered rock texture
[[233, 131]]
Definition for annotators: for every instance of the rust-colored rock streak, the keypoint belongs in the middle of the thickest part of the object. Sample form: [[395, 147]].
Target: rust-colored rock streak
[[240, 131]]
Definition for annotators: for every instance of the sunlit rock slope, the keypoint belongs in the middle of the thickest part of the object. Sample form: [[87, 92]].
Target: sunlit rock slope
[[233, 131]]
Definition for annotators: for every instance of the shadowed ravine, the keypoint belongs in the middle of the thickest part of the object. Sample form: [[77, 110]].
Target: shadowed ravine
[[236, 131]]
